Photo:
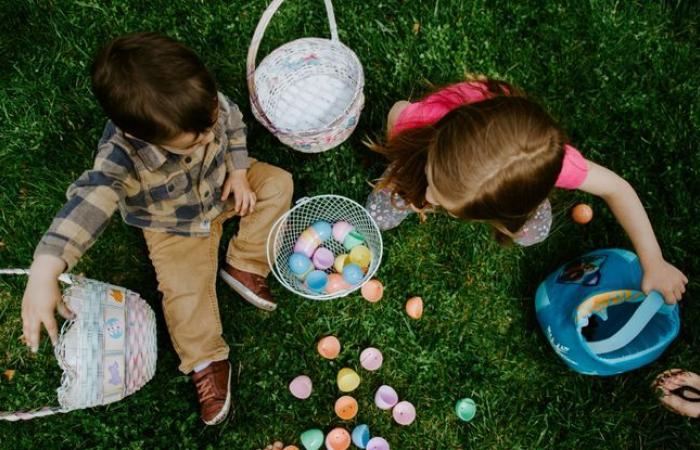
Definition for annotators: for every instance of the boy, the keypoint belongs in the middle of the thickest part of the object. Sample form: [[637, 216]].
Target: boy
[[173, 159]]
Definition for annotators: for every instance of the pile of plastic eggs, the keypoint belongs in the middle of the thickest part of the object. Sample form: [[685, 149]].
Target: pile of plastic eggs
[[323, 271]]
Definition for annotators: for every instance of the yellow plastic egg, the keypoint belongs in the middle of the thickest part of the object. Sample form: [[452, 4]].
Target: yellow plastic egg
[[329, 347], [373, 290], [361, 256], [414, 307], [346, 407], [348, 380], [340, 262]]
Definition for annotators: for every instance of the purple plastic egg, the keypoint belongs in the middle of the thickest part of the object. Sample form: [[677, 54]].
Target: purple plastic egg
[[301, 387], [386, 397], [323, 258], [371, 359], [378, 443]]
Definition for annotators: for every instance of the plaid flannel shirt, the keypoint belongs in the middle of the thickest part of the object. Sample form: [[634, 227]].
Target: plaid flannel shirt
[[152, 188]]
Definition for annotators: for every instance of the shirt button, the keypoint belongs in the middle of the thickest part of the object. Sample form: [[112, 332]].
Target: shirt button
[[210, 207], [188, 160], [206, 194]]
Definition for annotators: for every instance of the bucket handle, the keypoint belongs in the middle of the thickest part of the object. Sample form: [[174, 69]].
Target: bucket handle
[[634, 326], [255, 45], [13, 416]]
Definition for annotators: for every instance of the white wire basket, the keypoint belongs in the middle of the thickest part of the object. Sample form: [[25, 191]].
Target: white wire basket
[[107, 352], [307, 211], [308, 92]]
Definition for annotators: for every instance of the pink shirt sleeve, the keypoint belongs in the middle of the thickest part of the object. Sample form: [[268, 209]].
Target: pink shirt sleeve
[[435, 106], [574, 169]]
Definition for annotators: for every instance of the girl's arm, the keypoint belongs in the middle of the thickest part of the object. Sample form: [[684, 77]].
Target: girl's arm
[[623, 201]]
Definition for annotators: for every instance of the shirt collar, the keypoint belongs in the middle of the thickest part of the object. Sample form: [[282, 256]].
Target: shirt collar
[[152, 155]]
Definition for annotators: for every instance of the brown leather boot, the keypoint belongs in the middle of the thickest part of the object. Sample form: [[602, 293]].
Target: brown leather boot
[[214, 391], [253, 288]]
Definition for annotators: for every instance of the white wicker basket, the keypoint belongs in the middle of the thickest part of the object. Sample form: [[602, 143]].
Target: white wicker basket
[[307, 92], [107, 352], [330, 208]]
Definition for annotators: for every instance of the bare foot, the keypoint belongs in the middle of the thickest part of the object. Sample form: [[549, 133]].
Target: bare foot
[[685, 384]]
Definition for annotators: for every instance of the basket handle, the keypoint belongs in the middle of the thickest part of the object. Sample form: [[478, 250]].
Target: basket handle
[[255, 45], [14, 416]]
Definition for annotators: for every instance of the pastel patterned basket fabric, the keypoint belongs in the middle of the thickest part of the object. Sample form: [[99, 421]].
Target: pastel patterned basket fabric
[[308, 92], [329, 208]]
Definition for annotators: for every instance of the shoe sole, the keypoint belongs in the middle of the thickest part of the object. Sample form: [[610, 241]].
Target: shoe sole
[[227, 404], [246, 293]]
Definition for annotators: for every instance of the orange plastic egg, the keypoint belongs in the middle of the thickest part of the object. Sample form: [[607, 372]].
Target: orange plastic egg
[[346, 407], [373, 290], [291, 447], [582, 213], [414, 307], [336, 283], [329, 347], [338, 439]]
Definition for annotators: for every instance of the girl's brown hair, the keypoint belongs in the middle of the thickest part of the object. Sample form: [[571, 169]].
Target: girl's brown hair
[[494, 160]]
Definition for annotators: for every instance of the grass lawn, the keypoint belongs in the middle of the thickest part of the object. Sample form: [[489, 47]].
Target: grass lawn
[[623, 79]]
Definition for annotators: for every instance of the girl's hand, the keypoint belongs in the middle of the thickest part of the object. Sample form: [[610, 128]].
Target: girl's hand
[[664, 278], [42, 297], [237, 182]]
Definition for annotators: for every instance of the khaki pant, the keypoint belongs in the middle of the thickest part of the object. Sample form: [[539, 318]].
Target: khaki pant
[[186, 267]]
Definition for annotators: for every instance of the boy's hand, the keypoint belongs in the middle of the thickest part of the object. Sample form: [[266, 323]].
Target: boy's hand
[[664, 278], [237, 182], [42, 297]]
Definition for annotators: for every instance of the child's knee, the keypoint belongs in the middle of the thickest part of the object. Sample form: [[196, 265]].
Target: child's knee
[[277, 183]]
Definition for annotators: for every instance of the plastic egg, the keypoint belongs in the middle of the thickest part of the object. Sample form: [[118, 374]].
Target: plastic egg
[[340, 262], [300, 265], [341, 230], [338, 439], [301, 387], [404, 413], [582, 213], [346, 407], [348, 380], [329, 347], [353, 239], [323, 229], [386, 397], [465, 409], [353, 274], [308, 242], [371, 359], [312, 439], [378, 443], [361, 256], [336, 283], [414, 307], [323, 258], [360, 436], [317, 280], [291, 447], [372, 291]]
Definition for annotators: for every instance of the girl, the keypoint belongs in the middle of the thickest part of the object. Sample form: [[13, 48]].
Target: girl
[[480, 150]]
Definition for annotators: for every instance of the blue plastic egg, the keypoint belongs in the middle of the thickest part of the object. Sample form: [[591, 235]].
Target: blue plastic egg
[[300, 265], [323, 229], [360, 436], [353, 274], [317, 280]]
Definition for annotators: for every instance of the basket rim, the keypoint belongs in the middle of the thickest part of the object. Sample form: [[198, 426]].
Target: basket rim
[[299, 203], [357, 95]]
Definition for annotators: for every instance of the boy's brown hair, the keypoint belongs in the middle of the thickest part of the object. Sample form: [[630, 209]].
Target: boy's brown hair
[[495, 160], [154, 87]]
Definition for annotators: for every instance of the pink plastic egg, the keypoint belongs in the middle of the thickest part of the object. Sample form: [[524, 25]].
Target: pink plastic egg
[[323, 258], [341, 230], [371, 359], [301, 387], [373, 290], [308, 242], [336, 283], [404, 413], [386, 397], [338, 439], [414, 307], [329, 347]]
